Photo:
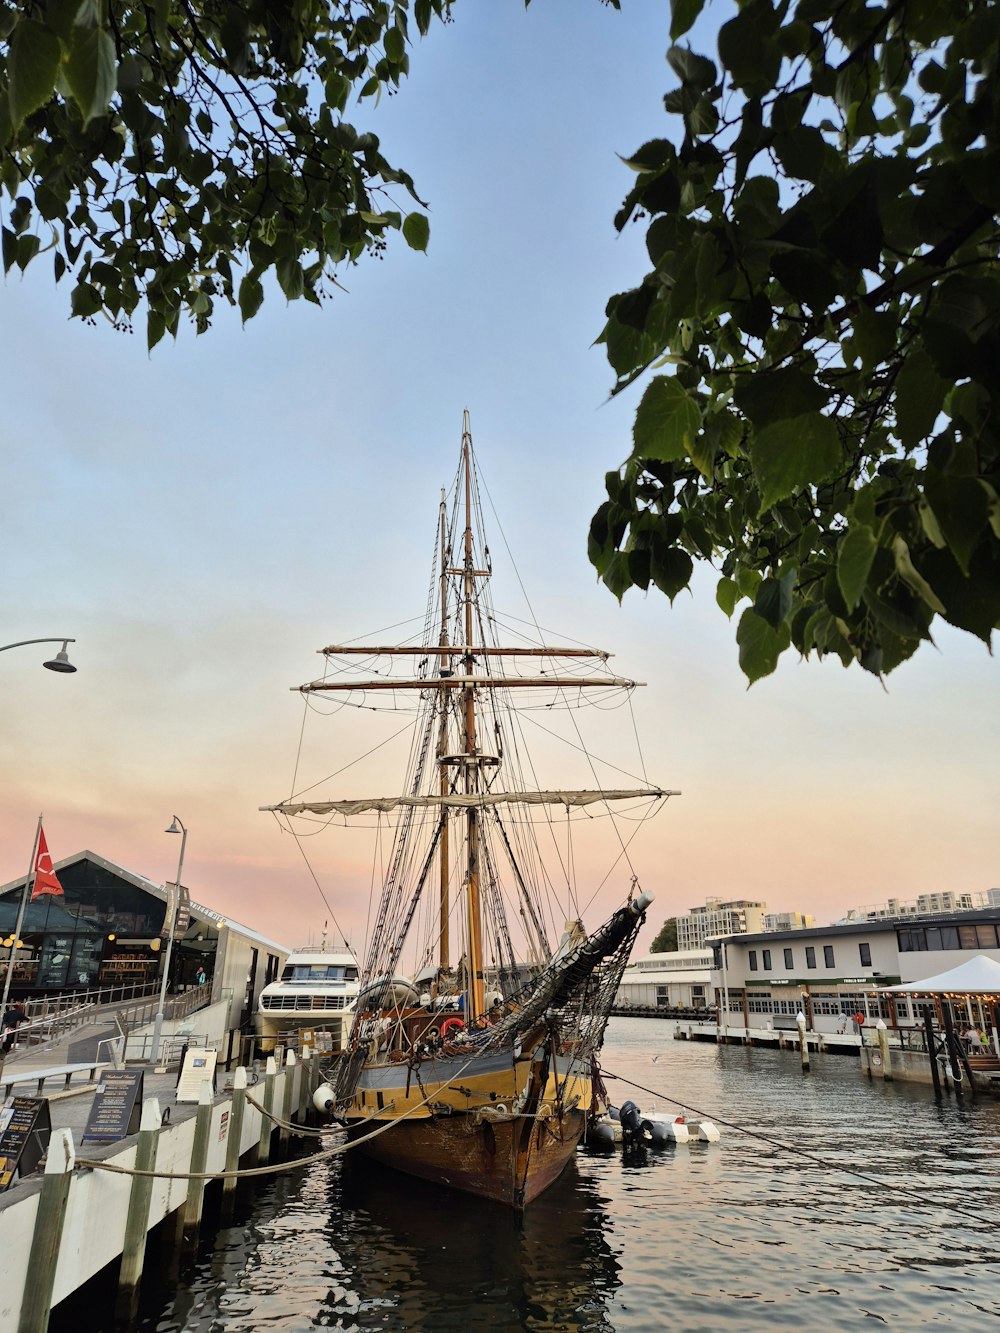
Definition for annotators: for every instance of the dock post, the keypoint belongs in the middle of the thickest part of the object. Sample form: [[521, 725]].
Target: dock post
[[41, 1273], [800, 1023], [233, 1141], [883, 1046], [137, 1221], [286, 1100], [931, 1053], [305, 1083], [952, 1038], [199, 1156], [266, 1123]]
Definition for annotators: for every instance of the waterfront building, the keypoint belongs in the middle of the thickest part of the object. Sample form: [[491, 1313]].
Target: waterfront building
[[108, 928], [677, 980], [834, 973]]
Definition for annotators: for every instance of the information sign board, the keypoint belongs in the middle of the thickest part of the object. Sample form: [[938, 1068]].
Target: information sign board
[[117, 1106], [198, 1066], [25, 1130]]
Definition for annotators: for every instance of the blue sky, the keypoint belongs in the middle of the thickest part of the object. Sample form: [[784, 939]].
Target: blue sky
[[202, 520]]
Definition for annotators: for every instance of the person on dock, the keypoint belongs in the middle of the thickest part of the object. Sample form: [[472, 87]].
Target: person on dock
[[13, 1017]]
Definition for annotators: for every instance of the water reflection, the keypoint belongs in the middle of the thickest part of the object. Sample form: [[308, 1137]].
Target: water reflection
[[429, 1254]]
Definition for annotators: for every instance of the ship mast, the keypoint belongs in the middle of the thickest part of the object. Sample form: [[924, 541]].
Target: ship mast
[[444, 671], [469, 575]]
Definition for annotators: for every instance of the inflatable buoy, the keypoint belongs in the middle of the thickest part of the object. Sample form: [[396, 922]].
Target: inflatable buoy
[[323, 1097], [601, 1135], [653, 1133], [450, 1025]]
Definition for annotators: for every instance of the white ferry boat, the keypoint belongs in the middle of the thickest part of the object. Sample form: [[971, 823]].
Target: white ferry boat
[[317, 989]]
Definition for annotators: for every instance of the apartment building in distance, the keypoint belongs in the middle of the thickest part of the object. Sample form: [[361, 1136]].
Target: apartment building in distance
[[718, 918], [926, 904]]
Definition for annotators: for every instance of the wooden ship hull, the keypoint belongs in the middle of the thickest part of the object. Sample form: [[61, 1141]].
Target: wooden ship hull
[[498, 1125]]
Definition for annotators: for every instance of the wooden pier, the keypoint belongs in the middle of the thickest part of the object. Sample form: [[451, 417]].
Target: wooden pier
[[67, 1223]]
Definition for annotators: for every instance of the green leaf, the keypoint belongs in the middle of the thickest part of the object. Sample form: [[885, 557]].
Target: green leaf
[[671, 570], [155, 328], [962, 510], [85, 301], [774, 395], [760, 645], [395, 46], [855, 554], [727, 594], [774, 599], [666, 423], [791, 455], [251, 296], [32, 66], [416, 231], [682, 16], [617, 576], [920, 393], [91, 70], [290, 277], [972, 600], [908, 573]]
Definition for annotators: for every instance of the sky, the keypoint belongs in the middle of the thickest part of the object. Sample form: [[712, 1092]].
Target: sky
[[203, 519]]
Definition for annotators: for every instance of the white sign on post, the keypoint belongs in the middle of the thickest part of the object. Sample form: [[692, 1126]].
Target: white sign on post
[[198, 1066]]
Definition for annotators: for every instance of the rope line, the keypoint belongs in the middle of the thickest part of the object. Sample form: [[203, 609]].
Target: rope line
[[804, 1152]]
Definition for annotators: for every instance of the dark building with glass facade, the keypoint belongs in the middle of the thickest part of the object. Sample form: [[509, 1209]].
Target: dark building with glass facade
[[108, 928]]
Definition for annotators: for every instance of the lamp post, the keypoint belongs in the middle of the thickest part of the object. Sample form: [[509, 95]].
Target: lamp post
[[60, 662], [175, 827]]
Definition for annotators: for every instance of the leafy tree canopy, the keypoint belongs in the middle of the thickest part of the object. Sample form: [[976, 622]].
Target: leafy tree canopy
[[176, 151], [666, 940], [819, 329]]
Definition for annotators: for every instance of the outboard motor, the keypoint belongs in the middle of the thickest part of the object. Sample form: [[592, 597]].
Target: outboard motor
[[631, 1122]]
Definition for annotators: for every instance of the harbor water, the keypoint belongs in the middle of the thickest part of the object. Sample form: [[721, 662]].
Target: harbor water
[[830, 1203]]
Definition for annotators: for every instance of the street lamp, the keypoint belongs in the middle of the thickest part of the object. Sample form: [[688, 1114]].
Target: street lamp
[[175, 827], [60, 662]]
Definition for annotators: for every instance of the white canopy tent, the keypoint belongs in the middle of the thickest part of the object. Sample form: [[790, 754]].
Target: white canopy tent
[[976, 979], [978, 976]]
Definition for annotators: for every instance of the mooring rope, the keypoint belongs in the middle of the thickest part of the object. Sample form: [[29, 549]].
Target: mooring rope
[[803, 1152]]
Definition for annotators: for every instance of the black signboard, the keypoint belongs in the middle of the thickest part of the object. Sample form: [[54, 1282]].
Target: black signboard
[[117, 1106], [25, 1130]]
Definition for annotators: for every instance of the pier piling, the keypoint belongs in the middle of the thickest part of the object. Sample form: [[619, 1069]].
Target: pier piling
[[137, 1221], [235, 1134], [883, 1045], [199, 1156], [800, 1023], [40, 1277], [267, 1124], [286, 1101]]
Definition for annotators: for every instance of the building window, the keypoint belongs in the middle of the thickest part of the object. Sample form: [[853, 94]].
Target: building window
[[788, 959], [766, 955], [828, 955], [810, 955], [752, 958], [866, 954]]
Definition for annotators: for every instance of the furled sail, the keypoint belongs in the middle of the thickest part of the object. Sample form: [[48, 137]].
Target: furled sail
[[475, 799]]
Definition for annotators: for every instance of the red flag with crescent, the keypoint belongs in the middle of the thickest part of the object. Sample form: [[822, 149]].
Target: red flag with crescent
[[45, 877]]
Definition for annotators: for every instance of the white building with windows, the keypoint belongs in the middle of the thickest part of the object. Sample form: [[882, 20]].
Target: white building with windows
[[835, 973], [677, 980]]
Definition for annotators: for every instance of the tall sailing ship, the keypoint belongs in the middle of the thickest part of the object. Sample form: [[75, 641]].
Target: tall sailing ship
[[472, 1059]]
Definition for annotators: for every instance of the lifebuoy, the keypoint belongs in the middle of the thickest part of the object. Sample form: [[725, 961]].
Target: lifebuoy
[[450, 1025]]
